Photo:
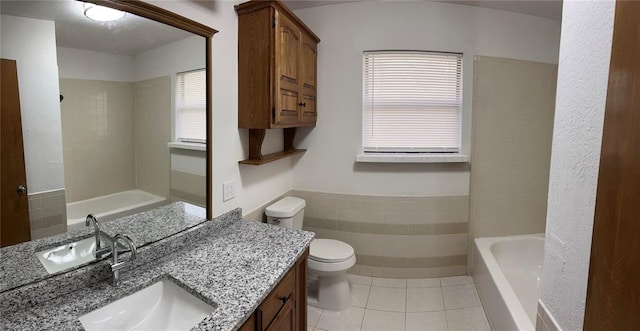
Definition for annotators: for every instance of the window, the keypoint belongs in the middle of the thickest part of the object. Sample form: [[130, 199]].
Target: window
[[191, 106], [412, 101]]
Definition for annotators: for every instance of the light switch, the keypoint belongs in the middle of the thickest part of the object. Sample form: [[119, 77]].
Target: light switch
[[228, 191]]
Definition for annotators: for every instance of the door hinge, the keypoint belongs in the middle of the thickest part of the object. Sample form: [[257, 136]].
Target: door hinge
[[273, 24]]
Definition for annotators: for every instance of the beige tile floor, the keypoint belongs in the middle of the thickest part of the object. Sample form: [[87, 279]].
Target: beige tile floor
[[386, 304]]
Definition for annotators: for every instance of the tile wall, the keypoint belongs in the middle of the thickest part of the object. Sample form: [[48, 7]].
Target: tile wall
[[394, 236], [544, 320], [47, 213], [512, 128], [188, 176], [188, 188], [152, 133], [97, 137], [115, 136]]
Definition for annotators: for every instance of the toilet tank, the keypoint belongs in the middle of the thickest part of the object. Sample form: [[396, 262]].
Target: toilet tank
[[287, 212]]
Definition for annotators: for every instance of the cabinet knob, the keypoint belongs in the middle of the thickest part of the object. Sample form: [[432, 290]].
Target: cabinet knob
[[302, 104]]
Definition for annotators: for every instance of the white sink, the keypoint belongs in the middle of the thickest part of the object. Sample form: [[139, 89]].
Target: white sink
[[161, 306], [69, 255]]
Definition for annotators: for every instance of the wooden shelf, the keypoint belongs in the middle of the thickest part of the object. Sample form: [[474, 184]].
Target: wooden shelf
[[256, 138], [273, 157]]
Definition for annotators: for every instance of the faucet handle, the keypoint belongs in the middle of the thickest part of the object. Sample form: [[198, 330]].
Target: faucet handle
[[126, 240], [116, 265]]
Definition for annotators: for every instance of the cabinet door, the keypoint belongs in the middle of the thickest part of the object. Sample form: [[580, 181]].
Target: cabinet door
[[287, 72], [274, 303], [250, 324], [285, 321], [308, 81]]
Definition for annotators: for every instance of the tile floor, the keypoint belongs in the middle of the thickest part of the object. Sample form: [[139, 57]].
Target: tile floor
[[386, 304]]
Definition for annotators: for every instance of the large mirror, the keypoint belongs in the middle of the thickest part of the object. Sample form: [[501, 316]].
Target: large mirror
[[113, 111]]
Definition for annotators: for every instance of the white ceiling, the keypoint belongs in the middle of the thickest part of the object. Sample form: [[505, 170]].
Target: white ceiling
[[133, 35], [541, 8], [130, 35]]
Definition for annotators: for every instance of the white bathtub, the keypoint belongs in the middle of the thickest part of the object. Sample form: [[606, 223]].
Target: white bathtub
[[109, 207], [507, 272]]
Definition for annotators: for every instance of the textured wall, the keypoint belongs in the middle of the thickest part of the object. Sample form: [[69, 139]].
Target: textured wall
[[583, 71]]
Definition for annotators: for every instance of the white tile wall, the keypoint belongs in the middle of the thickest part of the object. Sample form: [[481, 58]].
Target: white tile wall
[[513, 111]]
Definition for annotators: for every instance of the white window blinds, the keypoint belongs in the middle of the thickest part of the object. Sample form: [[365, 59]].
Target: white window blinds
[[191, 106], [412, 101]]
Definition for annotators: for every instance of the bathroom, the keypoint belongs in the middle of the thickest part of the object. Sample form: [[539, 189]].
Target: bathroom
[[417, 220]]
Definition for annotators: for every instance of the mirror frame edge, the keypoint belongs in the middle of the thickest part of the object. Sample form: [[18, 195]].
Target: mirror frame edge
[[152, 12]]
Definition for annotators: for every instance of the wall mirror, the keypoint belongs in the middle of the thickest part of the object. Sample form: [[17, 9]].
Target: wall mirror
[[114, 113]]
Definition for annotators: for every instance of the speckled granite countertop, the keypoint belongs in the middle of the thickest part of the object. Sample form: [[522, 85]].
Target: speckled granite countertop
[[232, 265], [19, 264]]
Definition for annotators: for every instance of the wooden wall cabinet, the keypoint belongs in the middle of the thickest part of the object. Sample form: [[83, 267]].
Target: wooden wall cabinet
[[277, 75], [285, 308]]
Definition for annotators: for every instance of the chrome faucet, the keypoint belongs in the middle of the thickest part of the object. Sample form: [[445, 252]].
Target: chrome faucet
[[100, 251], [115, 264]]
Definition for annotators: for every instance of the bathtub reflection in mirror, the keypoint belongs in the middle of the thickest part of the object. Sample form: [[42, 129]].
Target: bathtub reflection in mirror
[[113, 113]]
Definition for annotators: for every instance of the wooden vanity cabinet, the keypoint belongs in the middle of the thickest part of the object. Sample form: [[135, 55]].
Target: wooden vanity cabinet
[[285, 308], [277, 73]]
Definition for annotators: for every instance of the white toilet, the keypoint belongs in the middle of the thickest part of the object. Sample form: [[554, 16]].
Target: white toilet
[[329, 260]]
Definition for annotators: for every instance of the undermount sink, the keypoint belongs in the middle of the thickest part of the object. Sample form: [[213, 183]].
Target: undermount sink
[[69, 255], [161, 306]]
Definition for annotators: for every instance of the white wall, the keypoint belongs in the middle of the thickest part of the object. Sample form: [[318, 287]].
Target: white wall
[[583, 72], [168, 60], [83, 64], [346, 31], [254, 185], [183, 55], [179, 56], [32, 43]]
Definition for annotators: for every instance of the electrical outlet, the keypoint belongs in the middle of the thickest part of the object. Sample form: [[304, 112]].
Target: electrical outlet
[[228, 191]]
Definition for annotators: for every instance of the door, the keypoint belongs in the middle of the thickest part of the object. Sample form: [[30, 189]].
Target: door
[[287, 71], [613, 292], [308, 81], [14, 206]]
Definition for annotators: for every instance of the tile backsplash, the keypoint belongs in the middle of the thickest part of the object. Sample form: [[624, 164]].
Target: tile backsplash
[[47, 213]]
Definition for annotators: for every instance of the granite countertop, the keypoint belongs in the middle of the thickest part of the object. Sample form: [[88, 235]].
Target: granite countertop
[[19, 264], [232, 265]]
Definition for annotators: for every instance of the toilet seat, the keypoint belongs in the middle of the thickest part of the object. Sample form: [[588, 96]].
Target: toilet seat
[[330, 251], [328, 255]]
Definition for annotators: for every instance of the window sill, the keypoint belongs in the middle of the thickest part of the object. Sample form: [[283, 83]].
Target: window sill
[[411, 158], [189, 146]]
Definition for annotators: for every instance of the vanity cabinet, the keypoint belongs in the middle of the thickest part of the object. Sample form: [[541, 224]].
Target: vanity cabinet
[[285, 308], [277, 73]]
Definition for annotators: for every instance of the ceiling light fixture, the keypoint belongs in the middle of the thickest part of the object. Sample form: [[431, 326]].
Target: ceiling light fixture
[[102, 14]]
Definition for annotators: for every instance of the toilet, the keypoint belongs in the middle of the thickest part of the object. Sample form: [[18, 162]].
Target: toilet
[[329, 260]]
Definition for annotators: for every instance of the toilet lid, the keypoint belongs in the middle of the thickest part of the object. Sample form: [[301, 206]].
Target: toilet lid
[[329, 250]]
